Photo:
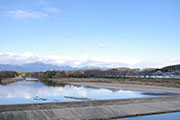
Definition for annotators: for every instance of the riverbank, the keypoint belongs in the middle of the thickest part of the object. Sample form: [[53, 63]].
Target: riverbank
[[10, 80], [165, 82], [97, 109]]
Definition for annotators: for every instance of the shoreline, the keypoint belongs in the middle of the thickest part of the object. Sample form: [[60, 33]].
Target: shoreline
[[10, 80], [164, 82]]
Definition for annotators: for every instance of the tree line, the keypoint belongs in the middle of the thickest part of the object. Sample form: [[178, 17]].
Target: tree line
[[7, 74], [94, 73]]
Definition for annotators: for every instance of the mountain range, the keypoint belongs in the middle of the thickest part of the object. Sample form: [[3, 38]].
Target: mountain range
[[41, 67]]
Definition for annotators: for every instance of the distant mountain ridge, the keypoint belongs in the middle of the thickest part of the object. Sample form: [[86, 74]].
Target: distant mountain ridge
[[41, 67]]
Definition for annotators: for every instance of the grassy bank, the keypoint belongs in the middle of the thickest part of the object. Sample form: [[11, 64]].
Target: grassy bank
[[7, 80], [10, 80], [166, 82]]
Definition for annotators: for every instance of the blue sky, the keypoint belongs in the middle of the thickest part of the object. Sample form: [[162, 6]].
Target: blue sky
[[124, 31]]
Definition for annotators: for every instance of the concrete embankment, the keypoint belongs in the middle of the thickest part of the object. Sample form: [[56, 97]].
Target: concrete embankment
[[9, 80], [102, 109]]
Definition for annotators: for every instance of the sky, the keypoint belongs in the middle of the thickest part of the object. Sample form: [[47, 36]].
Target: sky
[[131, 33]]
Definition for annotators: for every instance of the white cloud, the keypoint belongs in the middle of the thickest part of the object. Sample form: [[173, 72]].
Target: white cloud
[[156, 64], [175, 59], [102, 45], [21, 14], [52, 9], [146, 64], [41, 2], [28, 57]]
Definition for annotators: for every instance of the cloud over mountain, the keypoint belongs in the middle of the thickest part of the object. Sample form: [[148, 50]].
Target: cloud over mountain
[[28, 57]]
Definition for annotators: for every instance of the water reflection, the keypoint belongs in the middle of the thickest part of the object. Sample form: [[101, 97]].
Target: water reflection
[[32, 79], [50, 83], [167, 116], [37, 92]]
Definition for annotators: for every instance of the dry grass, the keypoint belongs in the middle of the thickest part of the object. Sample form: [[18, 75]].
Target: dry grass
[[142, 81], [8, 80]]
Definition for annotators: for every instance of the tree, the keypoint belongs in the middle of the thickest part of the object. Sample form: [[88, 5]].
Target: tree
[[147, 72]]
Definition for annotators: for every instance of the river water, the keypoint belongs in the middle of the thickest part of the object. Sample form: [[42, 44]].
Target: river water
[[167, 116], [32, 90]]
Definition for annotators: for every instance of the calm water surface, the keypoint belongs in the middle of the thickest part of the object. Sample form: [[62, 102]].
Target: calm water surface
[[34, 91], [168, 116]]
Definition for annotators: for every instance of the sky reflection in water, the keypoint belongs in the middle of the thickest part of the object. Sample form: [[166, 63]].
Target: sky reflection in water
[[36, 92]]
